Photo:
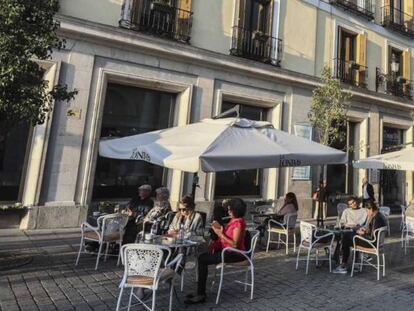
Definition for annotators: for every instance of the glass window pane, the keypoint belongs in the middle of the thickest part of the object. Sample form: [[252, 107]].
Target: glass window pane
[[130, 111], [243, 182], [12, 156]]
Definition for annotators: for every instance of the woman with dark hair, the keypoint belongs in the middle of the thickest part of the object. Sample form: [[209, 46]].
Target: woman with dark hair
[[232, 235], [187, 217]]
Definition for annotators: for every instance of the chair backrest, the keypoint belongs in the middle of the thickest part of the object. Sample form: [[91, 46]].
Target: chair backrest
[[409, 224], [340, 207], [403, 209], [290, 220], [166, 221], [379, 235], [385, 210], [112, 224], [143, 259], [203, 217], [250, 241], [306, 231]]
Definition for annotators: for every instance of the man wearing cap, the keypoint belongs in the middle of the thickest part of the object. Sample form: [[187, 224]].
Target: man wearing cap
[[136, 209]]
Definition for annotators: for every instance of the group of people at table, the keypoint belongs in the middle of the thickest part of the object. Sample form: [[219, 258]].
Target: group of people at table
[[229, 226]]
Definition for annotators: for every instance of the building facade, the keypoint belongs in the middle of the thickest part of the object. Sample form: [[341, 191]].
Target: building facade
[[141, 65]]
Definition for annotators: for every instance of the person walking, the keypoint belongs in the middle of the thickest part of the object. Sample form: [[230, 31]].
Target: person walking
[[367, 191]]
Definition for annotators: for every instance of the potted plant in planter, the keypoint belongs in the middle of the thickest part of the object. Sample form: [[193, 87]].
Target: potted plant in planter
[[11, 214]]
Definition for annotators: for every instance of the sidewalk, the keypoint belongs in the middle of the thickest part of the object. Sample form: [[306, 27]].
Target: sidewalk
[[50, 281]]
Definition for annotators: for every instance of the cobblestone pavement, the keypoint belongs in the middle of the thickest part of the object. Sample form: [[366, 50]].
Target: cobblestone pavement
[[52, 282]]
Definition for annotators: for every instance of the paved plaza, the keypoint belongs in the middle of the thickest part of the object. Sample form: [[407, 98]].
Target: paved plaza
[[43, 277]]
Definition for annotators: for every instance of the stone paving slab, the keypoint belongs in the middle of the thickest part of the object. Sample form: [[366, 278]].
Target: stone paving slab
[[52, 282]]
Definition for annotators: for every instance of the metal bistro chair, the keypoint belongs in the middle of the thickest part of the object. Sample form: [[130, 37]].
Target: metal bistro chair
[[408, 233], [340, 208], [386, 211], [376, 248], [402, 222], [142, 269], [286, 228], [309, 240], [247, 265], [110, 229]]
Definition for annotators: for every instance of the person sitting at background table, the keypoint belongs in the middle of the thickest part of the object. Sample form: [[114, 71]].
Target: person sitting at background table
[[353, 215], [290, 206], [409, 212], [187, 217], [136, 209], [232, 235], [375, 220], [220, 214]]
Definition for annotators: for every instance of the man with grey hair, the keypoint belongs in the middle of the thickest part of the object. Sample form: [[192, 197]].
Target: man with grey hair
[[367, 191]]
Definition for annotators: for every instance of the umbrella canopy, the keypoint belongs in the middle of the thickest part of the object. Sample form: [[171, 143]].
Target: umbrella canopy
[[402, 160], [221, 145]]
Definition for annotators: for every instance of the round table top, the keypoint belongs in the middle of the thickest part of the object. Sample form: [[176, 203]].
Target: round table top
[[174, 243], [336, 230]]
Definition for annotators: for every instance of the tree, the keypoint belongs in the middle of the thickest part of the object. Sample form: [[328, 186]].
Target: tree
[[328, 109], [27, 34]]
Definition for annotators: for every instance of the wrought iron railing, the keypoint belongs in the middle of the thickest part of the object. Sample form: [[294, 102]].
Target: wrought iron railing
[[364, 8], [256, 45], [157, 17], [350, 72], [393, 85], [397, 20]]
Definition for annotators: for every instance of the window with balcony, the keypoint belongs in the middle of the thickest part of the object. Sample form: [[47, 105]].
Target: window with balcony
[[364, 8], [169, 19], [252, 36], [398, 16], [396, 81], [350, 64]]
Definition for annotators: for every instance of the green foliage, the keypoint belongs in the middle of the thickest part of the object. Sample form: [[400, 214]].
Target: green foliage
[[328, 110], [27, 33]]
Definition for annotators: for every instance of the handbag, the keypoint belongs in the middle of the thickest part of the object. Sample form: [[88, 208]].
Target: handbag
[[315, 196]]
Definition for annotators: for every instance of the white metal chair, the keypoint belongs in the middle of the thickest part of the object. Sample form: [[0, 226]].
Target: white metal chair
[[386, 211], [408, 233], [402, 222], [340, 208], [286, 228], [110, 229], [311, 240], [257, 217], [375, 248], [142, 269], [247, 265]]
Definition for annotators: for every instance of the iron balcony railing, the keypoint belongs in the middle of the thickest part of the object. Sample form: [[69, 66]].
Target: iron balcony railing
[[393, 85], [350, 72], [256, 45], [364, 8], [397, 20], [157, 17]]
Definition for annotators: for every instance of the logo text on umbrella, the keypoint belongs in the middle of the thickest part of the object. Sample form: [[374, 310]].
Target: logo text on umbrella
[[140, 155]]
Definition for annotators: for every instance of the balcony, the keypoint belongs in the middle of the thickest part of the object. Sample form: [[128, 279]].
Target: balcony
[[398, 21], [158, 18], [351, 73], [393, 85], [363, 8], [256, 45]]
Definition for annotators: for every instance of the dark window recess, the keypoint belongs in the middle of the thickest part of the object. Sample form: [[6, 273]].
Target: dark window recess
[[363, 8], [162, 18], [394, 18], [130, 111], [12, 161], [243, 182]]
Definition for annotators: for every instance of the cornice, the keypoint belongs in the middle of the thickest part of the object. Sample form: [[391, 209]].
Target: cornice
[[83, 30]]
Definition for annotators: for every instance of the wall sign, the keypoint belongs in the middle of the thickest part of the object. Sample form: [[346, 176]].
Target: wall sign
[[302, 130]]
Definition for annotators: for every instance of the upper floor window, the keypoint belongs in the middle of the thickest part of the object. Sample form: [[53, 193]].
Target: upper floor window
[[364, 8], [398, 16]]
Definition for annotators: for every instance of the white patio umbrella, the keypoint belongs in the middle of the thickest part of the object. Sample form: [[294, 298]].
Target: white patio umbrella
[[221, 145], [402, 160]]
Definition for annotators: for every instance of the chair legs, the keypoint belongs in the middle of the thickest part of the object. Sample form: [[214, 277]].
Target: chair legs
[[297, 258], [380, 263], [99, 255], [130, 298], [353, 263], [171, 296], [252, 284], [80, 250], [118, 304], [307, 261], [221, 283], [279, 241]]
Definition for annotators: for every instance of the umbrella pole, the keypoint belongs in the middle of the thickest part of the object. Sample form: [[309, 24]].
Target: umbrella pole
[[195, 185]]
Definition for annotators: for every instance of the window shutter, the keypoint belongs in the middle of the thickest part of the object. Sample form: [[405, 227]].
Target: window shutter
[[361, 52], [269, 18], [185, 5], [183, 20], [406, 65], [408, 10]]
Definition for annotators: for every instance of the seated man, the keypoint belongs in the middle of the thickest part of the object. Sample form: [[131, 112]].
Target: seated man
[[376, 220], [136, 209], [409, 212], [353, 215]]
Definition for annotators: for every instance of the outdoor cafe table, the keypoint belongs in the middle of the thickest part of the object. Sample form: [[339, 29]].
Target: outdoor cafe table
[[338, 233]]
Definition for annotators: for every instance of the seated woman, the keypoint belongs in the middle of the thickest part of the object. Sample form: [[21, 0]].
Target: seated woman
[[290, 206], [375, 220], [187, 217], [232, 235]]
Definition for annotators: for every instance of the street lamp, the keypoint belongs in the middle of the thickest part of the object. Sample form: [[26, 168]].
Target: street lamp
[[395, 66]]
